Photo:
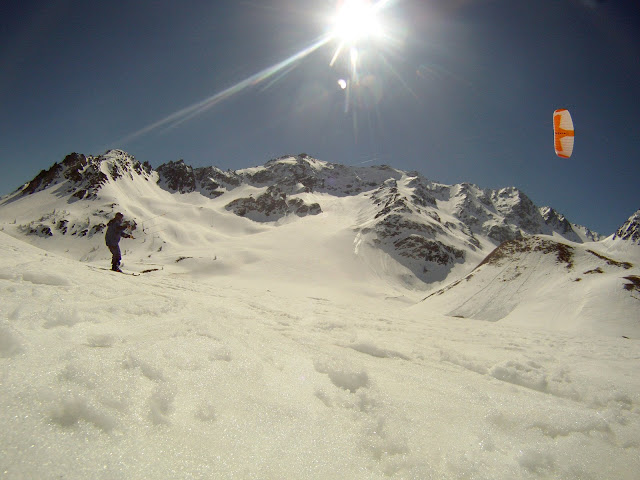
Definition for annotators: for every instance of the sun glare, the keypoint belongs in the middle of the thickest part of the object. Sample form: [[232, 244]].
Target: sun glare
[[355, 21]]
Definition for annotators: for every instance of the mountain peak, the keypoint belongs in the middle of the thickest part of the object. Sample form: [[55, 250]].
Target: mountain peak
[[630, 230], [568, 230], [299, 159], [83, 176]]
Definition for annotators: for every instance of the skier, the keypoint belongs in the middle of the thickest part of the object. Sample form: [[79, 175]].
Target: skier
[[115, 230]]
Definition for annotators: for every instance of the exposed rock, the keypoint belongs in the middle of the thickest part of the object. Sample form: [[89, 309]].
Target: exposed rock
[[421, 248], [503, 233], [271, 206], [37, 229], [556, 220], [43, 179], [564, 253], [178, 176], [210, 181], [517, 209]]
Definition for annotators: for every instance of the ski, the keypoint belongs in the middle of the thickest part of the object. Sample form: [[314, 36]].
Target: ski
[[133, 274], [126, 273]]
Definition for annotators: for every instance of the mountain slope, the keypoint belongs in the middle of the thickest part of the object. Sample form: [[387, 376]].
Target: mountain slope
[[630, 230], [541, 281]]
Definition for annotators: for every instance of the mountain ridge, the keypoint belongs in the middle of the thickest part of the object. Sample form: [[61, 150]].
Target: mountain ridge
[[435, 232]]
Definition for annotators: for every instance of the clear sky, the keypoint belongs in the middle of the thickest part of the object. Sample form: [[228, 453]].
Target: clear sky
[[458, 90]]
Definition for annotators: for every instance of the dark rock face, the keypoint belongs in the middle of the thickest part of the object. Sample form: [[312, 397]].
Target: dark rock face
[[559, 223], [395, 225], [37, 230], [43, 179], [271, 206], [74, 164], [213, 182], [407, 226], [302, 173], [503, 233], [518, 210], [422, 195], [178, 176], [421, 248]]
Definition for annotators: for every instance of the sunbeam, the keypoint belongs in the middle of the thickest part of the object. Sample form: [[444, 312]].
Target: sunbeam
[[187, 113]]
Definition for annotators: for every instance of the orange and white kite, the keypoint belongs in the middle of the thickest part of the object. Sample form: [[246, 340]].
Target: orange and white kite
[[563, 132]]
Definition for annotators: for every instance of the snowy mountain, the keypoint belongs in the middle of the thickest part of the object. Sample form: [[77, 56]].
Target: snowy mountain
[[570, 231], [404, 227], [630, 230], [308, 320]]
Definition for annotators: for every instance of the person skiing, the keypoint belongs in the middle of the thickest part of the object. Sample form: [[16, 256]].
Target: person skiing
[[115, 230]]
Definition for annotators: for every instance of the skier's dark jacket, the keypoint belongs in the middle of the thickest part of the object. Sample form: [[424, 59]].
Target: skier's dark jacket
[[115, 228]]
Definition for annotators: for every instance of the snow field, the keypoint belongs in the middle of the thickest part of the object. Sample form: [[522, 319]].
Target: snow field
[[180, 375]]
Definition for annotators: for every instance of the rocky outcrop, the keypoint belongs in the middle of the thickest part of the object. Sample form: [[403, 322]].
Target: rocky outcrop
[[556, 220], [178, 177], [271, 206], [418, 247], [505, 251]]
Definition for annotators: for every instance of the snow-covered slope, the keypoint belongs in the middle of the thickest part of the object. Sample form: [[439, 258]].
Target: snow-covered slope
[[554, 284], [200, 371]]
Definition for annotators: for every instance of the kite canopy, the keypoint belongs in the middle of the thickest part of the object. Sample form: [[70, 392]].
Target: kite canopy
[[563, 132]]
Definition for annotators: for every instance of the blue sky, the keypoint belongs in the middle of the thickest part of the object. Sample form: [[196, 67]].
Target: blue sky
[[458, 90]]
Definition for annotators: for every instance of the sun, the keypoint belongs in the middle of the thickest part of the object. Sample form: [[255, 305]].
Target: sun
[[355, 21]]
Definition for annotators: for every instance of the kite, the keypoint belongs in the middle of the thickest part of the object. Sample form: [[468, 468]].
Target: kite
[[563, 132]]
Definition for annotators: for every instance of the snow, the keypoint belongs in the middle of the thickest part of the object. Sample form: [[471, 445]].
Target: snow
[[204, 369], [286, 350]]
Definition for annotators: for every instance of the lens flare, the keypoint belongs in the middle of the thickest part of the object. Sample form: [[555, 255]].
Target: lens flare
[[259, 78], [355, 23], [356, 20]]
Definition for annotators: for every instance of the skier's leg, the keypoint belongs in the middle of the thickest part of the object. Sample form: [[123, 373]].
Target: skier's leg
[[116, 256]]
